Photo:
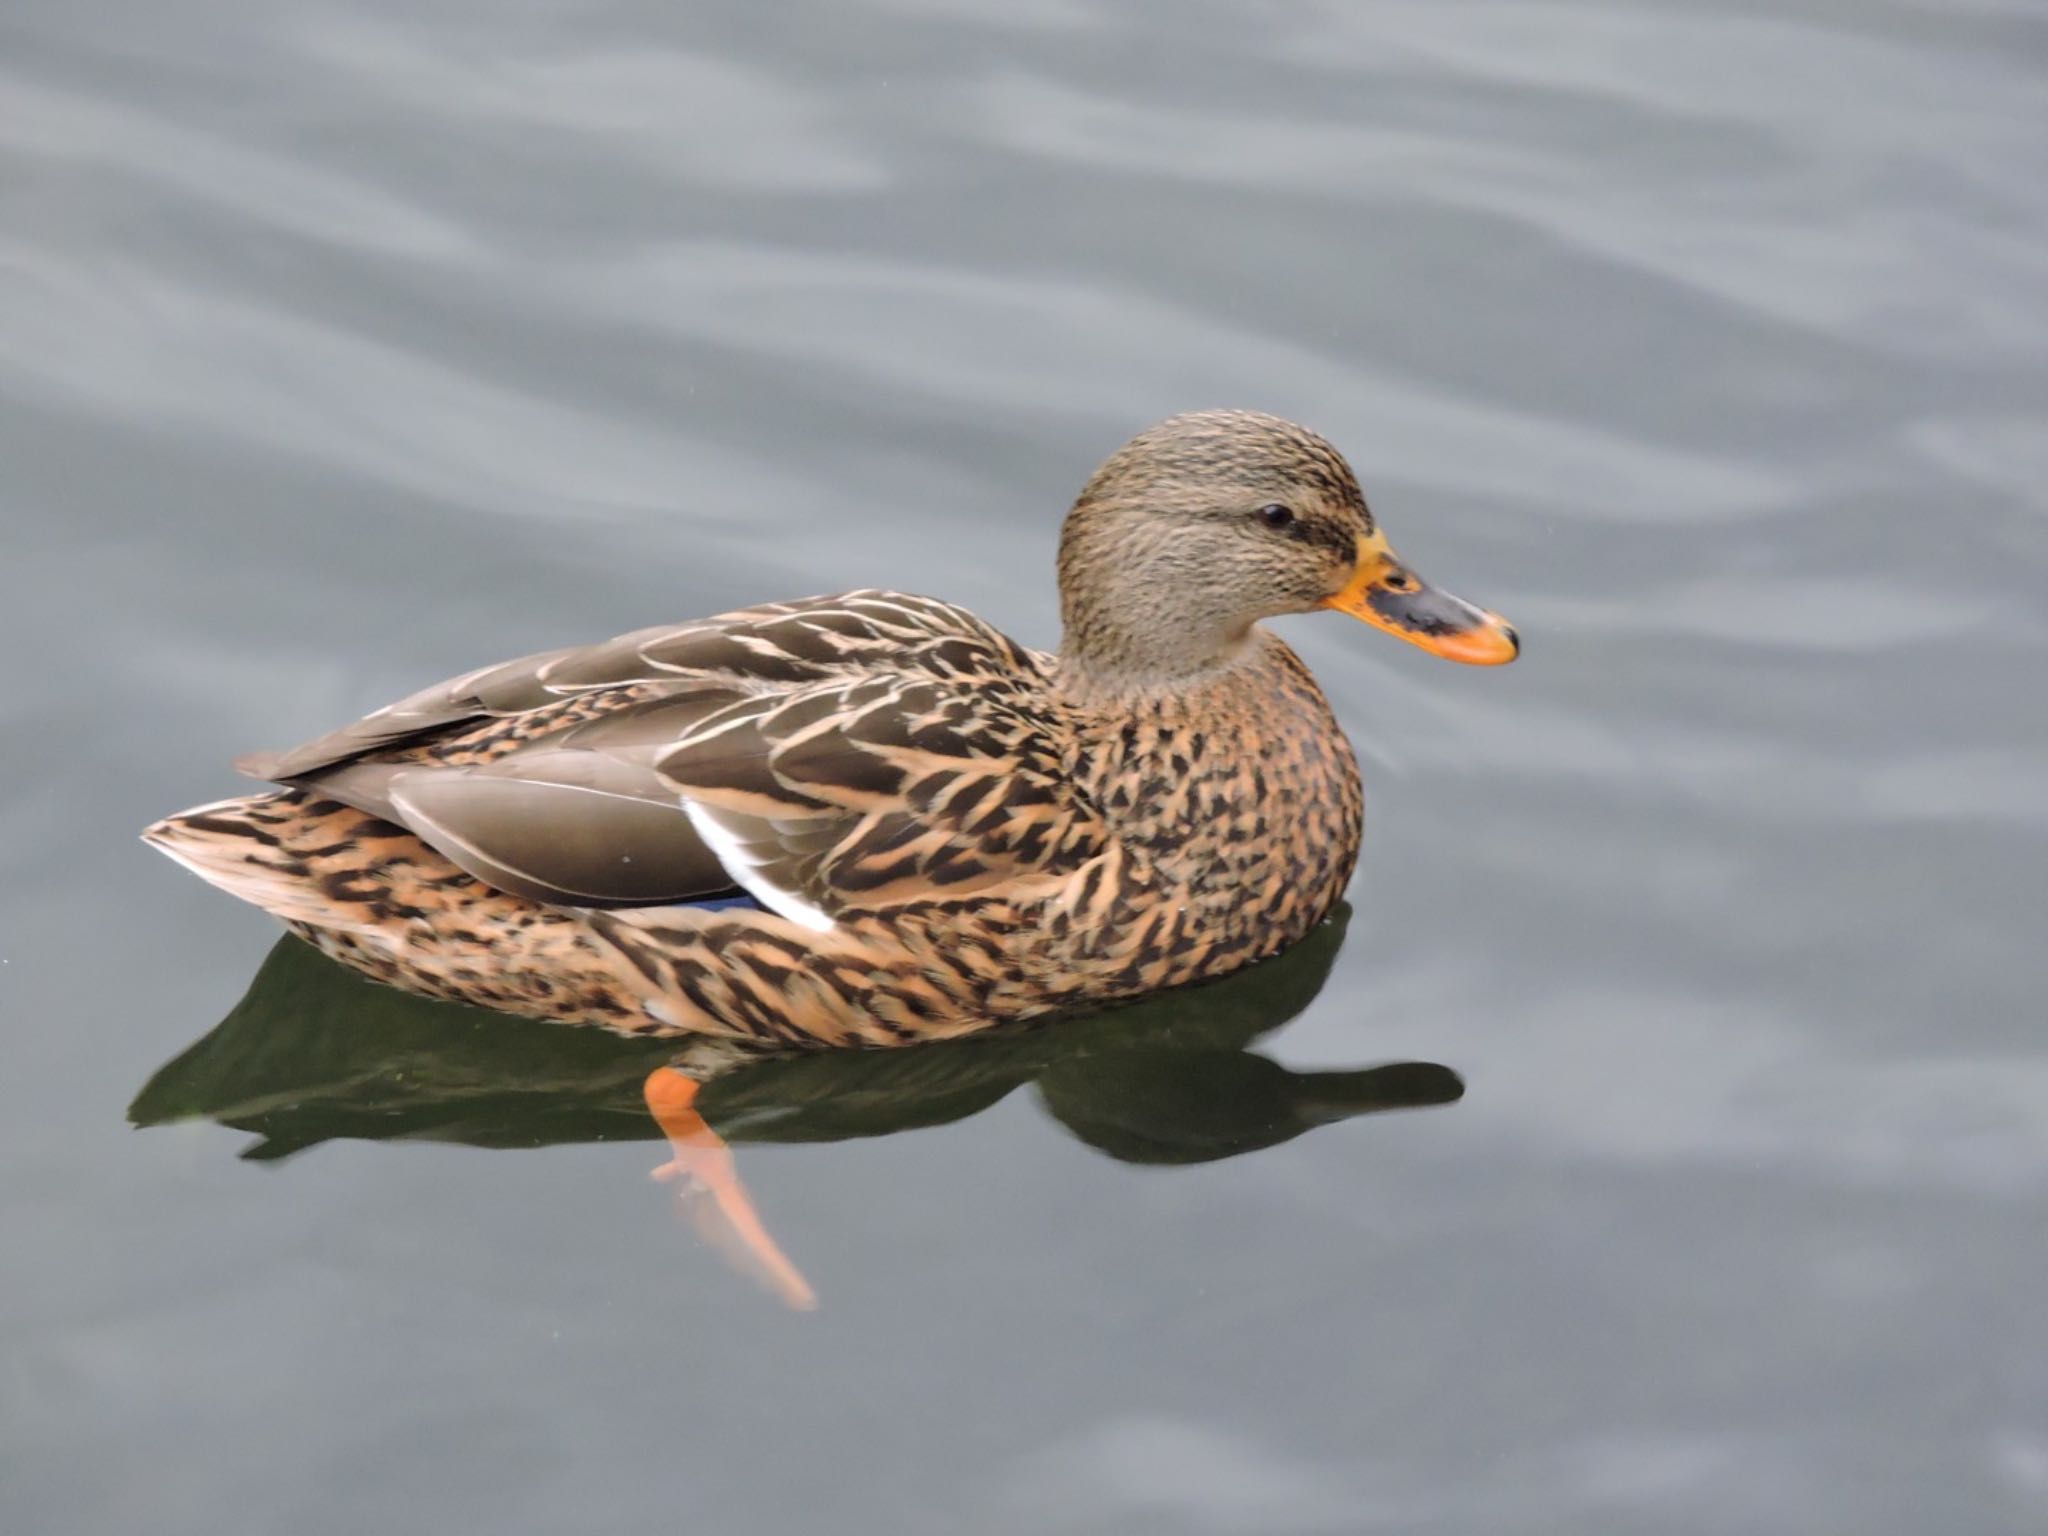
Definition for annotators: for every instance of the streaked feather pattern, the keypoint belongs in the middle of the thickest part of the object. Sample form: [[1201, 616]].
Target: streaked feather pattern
[[942, 828], [898, 784]]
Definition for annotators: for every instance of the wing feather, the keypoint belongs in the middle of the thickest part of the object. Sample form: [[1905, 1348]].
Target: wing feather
[[829, 756]]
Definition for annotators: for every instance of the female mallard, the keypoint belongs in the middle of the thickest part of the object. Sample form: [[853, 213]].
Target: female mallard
[[872, 819]]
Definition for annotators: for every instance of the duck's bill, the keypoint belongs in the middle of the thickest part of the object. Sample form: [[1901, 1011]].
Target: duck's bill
[[1387, 595]]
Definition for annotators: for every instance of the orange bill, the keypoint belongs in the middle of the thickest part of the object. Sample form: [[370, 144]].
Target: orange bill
[[1387, 595]]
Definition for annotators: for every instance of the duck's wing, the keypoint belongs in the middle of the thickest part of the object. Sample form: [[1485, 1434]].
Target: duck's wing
[[827, 756], [883, 792], [774, 645]]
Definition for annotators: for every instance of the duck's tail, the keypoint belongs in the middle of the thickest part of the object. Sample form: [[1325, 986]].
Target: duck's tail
[[375, 897], [287, 852]]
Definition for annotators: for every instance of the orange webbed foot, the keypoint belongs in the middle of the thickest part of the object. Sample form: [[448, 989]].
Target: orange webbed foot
[[711, 1192]]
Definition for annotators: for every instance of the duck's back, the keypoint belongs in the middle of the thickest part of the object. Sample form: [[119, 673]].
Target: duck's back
[[595, 776]]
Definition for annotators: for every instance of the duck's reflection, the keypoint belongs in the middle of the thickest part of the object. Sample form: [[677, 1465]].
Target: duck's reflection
[[314, 1052]]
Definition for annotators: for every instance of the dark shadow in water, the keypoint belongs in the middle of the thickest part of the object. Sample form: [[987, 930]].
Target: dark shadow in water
[[314, 1052]]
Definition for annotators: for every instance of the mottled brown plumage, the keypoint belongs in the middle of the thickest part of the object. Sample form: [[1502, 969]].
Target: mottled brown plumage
[[942, 829]]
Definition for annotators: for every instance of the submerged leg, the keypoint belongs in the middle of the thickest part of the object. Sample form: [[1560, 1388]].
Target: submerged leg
[[713, 1192]]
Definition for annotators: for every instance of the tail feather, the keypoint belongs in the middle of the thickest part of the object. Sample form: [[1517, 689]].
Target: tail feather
[[375, 897], [256, 847]]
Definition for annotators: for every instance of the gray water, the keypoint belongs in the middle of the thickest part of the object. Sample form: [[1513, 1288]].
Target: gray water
[[343, 347]]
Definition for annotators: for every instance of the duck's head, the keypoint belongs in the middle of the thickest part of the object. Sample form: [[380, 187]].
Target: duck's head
[[1199, 527]]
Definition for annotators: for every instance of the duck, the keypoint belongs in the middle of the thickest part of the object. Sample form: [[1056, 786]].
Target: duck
[[872, 819]]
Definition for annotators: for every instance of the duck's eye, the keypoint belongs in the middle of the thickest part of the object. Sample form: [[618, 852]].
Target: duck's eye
[[1273, 515]]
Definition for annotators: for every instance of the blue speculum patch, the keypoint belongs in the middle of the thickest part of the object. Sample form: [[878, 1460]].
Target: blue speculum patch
[[737, 901]]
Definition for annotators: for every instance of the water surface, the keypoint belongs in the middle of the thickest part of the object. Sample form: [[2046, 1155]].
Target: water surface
[[345, 346]]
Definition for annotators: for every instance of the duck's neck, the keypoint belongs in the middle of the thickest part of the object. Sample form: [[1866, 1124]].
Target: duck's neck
[[1133, 617], [1093, 675], [1143, 723], [1127, 659]]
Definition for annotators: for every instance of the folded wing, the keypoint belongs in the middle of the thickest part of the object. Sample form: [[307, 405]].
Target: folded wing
[[833, 756]]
